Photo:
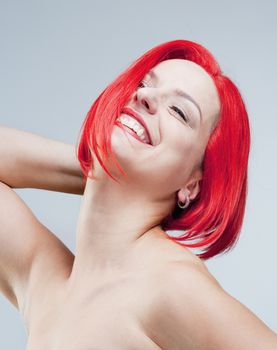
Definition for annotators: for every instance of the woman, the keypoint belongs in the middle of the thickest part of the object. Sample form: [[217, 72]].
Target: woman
[[164, 147]]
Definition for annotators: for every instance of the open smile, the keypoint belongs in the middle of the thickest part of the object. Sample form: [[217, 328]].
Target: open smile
[[131, 132]]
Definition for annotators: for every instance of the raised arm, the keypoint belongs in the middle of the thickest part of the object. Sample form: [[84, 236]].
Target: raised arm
[[27, 247], [32, 161]]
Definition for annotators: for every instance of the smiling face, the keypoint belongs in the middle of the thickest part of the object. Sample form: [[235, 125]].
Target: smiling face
[[179, 105]]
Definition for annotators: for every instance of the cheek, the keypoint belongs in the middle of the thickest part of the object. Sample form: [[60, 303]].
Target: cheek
[[185, 152], [118, 142], [177, 158], [184, 145]]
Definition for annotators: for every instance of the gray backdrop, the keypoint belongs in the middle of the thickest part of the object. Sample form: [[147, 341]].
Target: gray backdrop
[[57, 56]]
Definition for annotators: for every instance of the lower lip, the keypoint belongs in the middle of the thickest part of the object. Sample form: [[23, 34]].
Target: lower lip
[[131, 132]]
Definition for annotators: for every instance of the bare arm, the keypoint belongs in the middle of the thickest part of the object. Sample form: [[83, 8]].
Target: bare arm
[[29, 251], [27, 247], [32, 161]]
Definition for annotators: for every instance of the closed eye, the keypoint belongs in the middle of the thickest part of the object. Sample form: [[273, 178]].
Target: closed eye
[[141, 84], [176, 109]]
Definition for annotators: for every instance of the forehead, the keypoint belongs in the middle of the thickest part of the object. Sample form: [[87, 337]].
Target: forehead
[[191, 78]]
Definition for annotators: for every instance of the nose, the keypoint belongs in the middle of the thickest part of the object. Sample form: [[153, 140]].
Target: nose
[[147, 98]]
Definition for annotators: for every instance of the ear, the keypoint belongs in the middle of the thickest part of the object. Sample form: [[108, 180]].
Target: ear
[[191, 189]]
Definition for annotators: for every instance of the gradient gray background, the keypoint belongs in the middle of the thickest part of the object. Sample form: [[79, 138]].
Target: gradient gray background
[[57, 56]]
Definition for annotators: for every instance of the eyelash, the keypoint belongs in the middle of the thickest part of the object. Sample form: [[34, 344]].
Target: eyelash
[[174, 108]]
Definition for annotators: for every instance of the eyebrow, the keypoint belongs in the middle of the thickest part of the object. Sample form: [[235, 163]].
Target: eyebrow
[[180, 93]]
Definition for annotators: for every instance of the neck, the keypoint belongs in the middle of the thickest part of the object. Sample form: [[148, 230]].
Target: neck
[[115, 222]]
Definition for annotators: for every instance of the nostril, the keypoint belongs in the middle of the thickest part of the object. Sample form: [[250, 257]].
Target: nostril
[[146, 104]]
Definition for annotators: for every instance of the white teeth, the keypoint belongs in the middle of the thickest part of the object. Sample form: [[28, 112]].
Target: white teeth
[[134, 125]]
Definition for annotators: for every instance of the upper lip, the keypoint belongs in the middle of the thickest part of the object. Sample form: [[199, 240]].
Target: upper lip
[[135, 115]]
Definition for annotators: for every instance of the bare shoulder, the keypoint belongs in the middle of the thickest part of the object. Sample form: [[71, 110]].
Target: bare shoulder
[[197, 313]]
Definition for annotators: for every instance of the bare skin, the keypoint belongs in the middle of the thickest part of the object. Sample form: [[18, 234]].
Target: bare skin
[[128, 286], [116, 311]]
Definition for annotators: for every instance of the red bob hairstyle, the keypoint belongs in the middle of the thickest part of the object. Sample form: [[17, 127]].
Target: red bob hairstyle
[[215, 217]]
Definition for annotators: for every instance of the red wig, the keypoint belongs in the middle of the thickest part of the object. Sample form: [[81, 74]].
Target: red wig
[[215, 217]]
